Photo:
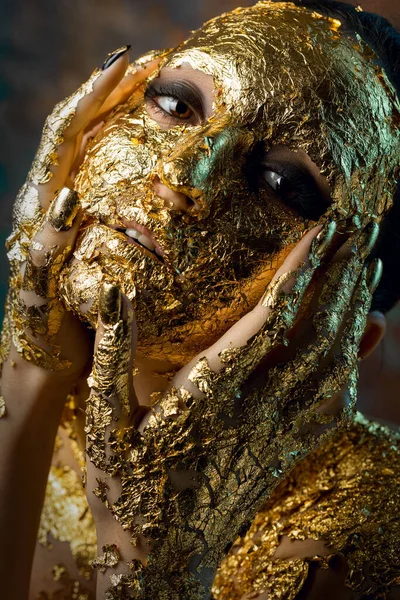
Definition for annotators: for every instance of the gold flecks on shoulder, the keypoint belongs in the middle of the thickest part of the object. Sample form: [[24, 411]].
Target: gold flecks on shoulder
[[347, 494], [109, 558]]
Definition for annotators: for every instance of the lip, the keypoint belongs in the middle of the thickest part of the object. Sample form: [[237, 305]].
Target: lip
[[159, 255]]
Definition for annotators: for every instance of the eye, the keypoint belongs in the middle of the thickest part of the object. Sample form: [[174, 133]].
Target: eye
[[295, 187], [174, 102], [273, 179], [174, 107]]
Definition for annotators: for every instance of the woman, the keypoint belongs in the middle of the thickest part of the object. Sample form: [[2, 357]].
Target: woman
[[230, 170]]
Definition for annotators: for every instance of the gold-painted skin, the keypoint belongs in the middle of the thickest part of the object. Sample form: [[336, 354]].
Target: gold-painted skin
[[314, 89], [238, 440], [283, 76], [346, 494]]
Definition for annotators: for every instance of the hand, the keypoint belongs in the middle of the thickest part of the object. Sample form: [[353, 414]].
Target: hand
[[37, 324], [190, 478]]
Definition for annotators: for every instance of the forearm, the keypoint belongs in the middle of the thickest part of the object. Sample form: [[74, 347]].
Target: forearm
[[27, 433]]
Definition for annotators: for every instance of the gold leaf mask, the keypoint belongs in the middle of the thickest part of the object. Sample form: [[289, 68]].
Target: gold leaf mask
[[283, 76]]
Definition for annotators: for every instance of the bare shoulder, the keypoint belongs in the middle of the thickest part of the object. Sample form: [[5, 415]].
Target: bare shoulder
[[332, 527]]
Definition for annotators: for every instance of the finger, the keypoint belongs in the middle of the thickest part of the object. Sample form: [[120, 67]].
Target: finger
[[37, 312], [81, 144], [342, 369], [322, 367], [126, 87], [346, 355], [52, 245], [57, 147], [136, 76], [112, 402]]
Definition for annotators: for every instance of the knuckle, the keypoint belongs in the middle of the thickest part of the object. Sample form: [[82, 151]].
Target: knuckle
[[38, 255]]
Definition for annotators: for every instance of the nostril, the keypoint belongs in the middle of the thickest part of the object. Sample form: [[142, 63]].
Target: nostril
[[176, 200]]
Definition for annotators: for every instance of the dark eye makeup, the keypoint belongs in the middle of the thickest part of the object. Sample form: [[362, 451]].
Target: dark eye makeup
[[182, 92], [295, 187], [290, 182]]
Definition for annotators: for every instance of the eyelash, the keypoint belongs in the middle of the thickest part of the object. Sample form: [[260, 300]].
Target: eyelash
[[177, 91]]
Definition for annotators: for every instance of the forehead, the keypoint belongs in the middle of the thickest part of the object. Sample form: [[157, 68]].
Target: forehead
[[269, 53], [295, 77]]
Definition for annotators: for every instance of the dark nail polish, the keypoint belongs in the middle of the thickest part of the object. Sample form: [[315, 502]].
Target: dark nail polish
[[64, 209], [368, 239], [374, 274], [324, 239], [110, 304], [113, 56]]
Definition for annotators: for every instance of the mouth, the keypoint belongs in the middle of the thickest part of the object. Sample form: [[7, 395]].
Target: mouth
[[141, 237]]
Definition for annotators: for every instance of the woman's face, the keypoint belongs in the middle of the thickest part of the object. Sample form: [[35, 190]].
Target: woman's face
[[246, 135]]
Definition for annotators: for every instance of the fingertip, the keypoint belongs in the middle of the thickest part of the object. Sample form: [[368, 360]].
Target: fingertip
[[299, 253], [63, 210], [115, 56], [110, 303], [128, 314]]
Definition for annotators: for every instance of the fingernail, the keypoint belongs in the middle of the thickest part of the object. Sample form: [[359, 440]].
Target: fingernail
[[324, 239], [374, 274], [113, 56], [64, 209], [110, 304], [367, 239]]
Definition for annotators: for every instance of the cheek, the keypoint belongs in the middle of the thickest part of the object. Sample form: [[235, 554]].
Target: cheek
[[255, 288], [118, 169]]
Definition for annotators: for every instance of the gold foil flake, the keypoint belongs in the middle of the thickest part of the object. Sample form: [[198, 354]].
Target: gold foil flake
[[3, 410], [109, 558], [58, 572], [53, 132], [27, 209], [66, 517]]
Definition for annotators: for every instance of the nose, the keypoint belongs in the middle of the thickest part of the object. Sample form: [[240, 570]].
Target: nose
[[196, 171], [175, 200]]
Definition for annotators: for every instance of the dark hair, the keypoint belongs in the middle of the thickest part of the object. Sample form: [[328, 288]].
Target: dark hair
[[384, 39]]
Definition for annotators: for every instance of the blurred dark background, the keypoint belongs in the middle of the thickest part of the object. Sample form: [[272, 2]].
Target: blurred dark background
[[48, 48]]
